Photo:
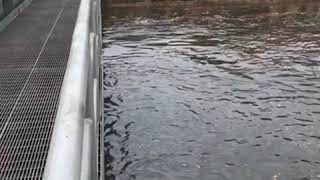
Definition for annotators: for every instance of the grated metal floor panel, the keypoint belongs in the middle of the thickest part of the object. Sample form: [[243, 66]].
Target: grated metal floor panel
[[34, 50]]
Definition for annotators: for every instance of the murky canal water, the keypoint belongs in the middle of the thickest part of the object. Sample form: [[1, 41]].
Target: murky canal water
[[207, 91]]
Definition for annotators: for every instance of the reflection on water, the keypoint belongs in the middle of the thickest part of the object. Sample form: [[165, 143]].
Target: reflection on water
[[197, 90]]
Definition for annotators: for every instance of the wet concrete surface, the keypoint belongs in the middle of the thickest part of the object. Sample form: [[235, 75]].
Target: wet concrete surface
[[201, 90]]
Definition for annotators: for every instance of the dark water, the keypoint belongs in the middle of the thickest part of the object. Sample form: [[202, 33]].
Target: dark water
[[207, 91]]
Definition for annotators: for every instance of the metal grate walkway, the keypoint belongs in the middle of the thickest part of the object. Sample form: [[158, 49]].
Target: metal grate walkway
[[34, 50]]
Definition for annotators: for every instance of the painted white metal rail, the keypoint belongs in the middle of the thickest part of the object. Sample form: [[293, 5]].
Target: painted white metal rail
[[73, 147]]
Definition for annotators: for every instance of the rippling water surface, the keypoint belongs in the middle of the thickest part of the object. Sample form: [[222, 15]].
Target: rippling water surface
[[208, 91]]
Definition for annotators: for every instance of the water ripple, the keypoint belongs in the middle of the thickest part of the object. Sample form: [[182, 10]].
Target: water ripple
[[198, 90]]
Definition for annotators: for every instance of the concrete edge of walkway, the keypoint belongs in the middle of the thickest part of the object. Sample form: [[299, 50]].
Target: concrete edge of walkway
[[71, 152], [13, 14]]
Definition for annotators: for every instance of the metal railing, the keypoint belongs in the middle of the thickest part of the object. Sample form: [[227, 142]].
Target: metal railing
[[73, 147], [10, 9], [6, 6]]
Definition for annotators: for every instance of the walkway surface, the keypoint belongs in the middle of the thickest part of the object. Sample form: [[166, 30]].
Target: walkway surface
[[34, 50]]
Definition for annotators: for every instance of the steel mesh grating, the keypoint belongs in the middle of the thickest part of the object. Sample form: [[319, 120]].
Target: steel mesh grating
[[25, 142], [34, 50]]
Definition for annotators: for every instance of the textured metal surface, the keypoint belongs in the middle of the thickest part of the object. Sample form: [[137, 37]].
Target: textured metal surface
[[34, 50]]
